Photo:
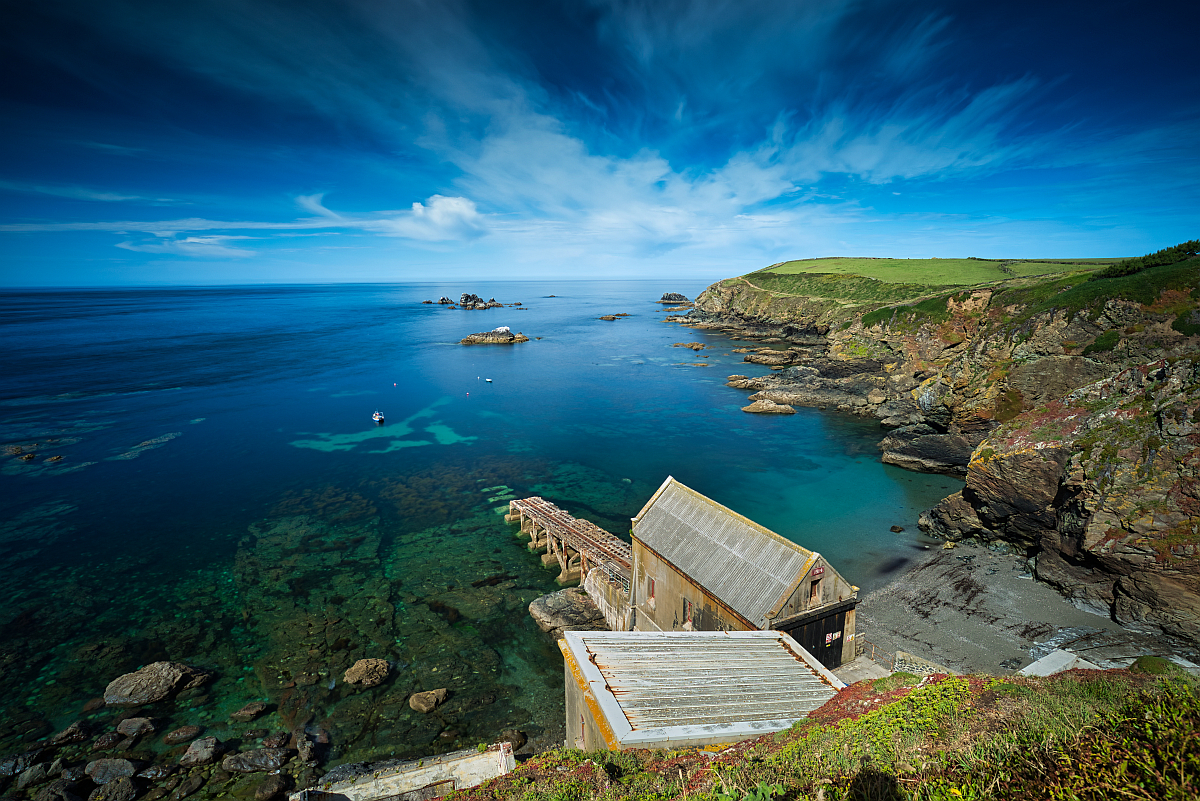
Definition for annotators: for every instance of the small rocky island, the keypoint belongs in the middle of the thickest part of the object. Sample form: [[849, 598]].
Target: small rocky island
[[497, 336], [471, 301]]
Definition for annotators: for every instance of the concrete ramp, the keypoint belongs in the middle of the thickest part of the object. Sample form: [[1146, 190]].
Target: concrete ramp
[[418, 780]]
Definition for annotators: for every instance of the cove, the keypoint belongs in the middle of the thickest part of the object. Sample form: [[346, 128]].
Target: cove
[[224, 499]]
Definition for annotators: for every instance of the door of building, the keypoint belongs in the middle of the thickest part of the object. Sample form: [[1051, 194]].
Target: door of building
[[822, 636]]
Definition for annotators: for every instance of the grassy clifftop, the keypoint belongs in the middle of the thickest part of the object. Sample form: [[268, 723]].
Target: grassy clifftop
[[1078, 735], [836, 293]]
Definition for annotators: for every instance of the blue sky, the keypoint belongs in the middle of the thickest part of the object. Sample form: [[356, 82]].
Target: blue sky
[[245, 141]]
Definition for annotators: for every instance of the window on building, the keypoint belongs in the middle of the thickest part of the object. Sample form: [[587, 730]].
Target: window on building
[[650, 595], [814, 593]]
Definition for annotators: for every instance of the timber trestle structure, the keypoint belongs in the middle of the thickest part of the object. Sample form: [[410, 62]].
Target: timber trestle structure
[[577, 545]]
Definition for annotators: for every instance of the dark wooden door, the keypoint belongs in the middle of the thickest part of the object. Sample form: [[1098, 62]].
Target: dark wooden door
[[822, 638]]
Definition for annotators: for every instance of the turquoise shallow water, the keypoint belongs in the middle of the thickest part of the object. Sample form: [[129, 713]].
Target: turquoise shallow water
[[224, 499]]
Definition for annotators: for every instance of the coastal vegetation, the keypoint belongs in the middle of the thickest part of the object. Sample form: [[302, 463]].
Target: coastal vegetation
[[1080, 735], [951, 272]]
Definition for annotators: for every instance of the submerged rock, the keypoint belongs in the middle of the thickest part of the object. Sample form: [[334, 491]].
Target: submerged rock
[[75, 733], [249, 712], [19, 763], [121, 789], [367, 672], [189, 785], [277, 740], [201, 752], [426, 702], [271, 787], [153, 683], [135, 727], [31, 776], [256, 761], [103, 771], [182, 734], [107, 741], [57, 790]]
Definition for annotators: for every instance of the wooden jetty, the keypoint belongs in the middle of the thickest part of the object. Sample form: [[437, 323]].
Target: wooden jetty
[[578, 546]]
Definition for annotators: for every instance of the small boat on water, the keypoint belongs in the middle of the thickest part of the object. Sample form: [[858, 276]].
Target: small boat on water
[[378, 418], [488, 380]]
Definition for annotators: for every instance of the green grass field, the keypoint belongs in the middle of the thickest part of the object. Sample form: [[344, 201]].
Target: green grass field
[[935, 272]]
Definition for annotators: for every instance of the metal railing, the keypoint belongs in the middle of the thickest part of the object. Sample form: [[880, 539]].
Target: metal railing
[[864, 647]]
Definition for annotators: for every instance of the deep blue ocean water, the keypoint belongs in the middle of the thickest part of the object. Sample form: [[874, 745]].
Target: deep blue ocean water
[[224, 499]]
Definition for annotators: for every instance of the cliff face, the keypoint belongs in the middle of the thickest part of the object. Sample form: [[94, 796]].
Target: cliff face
[[1103, 487], [1076, 424]]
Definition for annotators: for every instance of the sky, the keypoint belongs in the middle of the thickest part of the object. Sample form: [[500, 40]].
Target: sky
[[313, 141]]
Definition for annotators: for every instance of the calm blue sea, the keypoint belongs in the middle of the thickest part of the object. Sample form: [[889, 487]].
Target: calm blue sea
[[223, 497]]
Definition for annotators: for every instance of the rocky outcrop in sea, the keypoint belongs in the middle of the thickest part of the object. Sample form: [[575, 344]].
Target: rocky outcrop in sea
[[497, 336], [470, 301]]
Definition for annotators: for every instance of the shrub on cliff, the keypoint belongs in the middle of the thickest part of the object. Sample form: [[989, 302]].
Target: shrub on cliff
[[1170, 255]]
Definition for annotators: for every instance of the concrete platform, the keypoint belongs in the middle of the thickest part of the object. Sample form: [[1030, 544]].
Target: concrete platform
[[859, 669]]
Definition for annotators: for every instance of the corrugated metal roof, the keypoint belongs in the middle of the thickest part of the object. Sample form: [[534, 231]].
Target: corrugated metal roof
[[748, 567], [668, 680]]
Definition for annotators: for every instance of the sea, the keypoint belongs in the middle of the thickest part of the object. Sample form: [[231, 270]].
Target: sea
[[193, 474]]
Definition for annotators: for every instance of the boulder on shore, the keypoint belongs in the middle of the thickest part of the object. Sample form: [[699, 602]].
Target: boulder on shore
[[153, 683], [567, 610]]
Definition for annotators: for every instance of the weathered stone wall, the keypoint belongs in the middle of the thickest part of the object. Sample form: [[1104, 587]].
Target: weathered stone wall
[[666, 611], [610, 597]]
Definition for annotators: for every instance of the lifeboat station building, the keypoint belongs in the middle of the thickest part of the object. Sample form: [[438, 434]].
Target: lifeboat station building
[[700, 566], [675, 689]]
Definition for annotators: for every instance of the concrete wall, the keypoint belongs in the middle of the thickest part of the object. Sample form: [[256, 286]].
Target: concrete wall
[[585, 729], [610, 596], [667, 610]]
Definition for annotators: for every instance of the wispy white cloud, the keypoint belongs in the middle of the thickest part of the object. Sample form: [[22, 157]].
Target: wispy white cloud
[[438, 219], [119, 150], [314, 204], [194, 246], [73, 192]]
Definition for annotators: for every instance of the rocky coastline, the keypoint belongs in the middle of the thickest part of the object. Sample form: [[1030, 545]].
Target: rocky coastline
[[1077, 430]]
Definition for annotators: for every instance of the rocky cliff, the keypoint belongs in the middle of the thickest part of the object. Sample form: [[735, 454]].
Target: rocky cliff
[[1069, 405]]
